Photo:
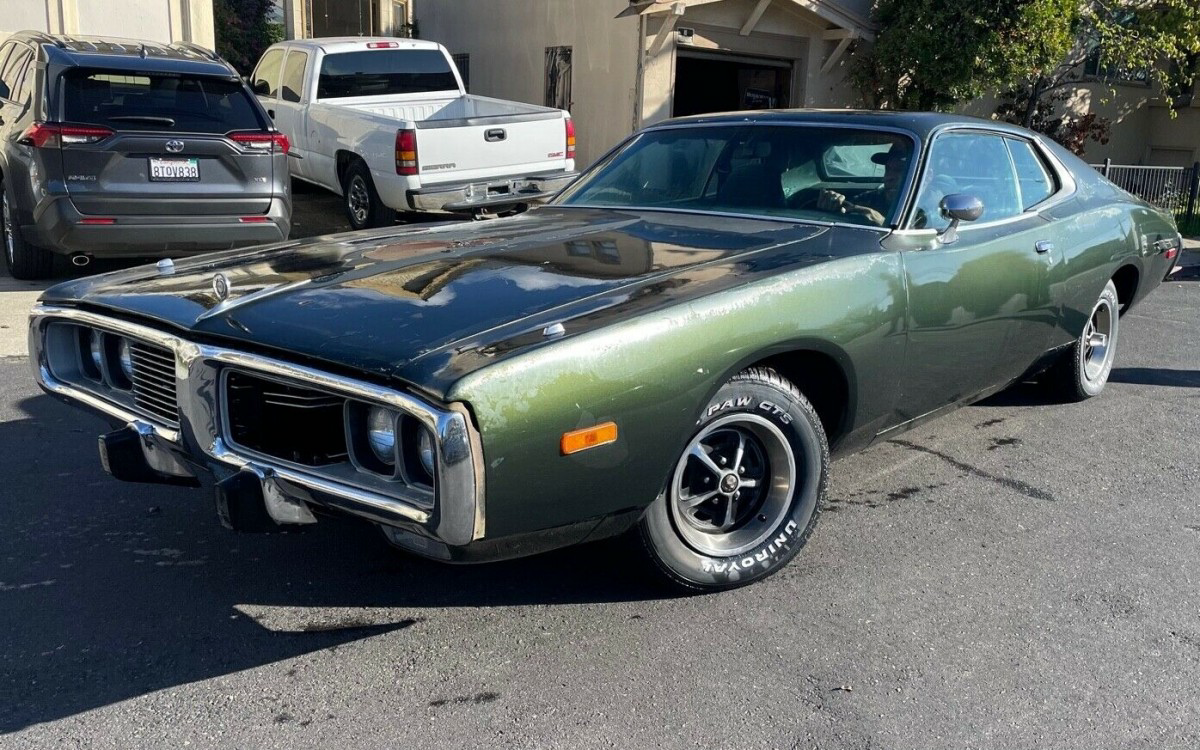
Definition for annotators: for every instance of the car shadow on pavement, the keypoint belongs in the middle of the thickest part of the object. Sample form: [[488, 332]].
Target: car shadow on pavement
[[110, 591], [1155, 376]]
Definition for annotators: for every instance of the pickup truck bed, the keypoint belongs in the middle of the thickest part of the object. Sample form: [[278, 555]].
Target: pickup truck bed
[[387, 122]]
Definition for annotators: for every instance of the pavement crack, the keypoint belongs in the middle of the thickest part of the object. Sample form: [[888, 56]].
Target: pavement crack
[[1024, 488]]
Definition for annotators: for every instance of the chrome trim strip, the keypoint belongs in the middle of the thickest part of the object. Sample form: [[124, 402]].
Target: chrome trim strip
[[456, 517]]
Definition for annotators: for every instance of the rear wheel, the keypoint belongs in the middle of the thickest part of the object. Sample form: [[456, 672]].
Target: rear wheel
[[1084, 369], [364, 209], [23, 260], [745, 494]]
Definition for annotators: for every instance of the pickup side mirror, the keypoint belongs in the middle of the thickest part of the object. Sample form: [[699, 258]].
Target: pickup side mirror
[[959, 207]]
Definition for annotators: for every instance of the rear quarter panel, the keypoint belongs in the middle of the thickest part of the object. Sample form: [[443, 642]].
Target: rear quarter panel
[[655, 374]]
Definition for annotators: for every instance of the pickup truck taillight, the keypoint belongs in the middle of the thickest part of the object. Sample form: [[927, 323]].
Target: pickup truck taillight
[[46, 135], [406, 152], [570, 138], [275, 143]]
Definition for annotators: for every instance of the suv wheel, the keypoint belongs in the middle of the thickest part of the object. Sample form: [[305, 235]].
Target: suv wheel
[[24, 261], [363, 207], [744, 495]]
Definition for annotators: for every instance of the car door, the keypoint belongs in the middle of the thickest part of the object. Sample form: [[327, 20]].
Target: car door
[[289, 109], [979, 306]]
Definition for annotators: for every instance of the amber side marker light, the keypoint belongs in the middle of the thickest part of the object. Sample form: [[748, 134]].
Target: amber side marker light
[[589, 437]]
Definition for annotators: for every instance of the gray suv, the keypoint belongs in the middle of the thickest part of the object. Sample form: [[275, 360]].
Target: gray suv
[[117, 148]]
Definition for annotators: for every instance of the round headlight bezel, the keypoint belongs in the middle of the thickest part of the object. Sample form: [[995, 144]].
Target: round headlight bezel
[[426, 451], [381, 425], [125, 358]]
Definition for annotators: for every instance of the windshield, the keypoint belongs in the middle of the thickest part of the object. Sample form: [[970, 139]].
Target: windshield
[[384, 71], [157, 101], [824, 173]]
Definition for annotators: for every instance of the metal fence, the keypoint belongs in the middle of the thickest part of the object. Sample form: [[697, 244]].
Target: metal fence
[[1173, 189]]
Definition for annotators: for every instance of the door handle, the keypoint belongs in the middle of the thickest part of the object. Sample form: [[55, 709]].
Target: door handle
[[1043, 246]]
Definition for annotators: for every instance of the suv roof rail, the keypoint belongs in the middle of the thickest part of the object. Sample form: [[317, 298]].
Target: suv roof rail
[[41, 37], [198, 49]]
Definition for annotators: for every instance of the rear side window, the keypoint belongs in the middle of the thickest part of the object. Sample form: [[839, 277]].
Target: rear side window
[[386, 71], [266, 75], [158, 102], [10, 75], [293, 76], [1035, 180]]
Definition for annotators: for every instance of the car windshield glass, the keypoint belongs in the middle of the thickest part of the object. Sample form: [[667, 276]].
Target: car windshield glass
[[157, 101], [385, 71], [847, 175]]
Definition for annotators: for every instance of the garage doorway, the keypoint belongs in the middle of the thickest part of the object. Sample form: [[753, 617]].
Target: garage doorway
[[715, 82]]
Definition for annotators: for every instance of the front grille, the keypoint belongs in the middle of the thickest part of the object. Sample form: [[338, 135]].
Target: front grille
[[154, 381], [285, 421]]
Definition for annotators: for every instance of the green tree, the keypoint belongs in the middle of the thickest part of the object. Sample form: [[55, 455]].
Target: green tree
[[1153, 40], [243, 31], [933, 55]]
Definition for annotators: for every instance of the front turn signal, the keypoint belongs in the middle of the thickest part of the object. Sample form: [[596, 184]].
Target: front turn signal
[[589, 437]]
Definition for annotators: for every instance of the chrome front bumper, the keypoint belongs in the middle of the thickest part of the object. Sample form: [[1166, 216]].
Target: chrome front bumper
[[483, 194], [456, 517]]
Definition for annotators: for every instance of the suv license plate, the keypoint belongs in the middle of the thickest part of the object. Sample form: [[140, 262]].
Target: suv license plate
[[174, 170]]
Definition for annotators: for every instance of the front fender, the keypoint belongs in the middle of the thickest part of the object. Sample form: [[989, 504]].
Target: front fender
[[653, 375]]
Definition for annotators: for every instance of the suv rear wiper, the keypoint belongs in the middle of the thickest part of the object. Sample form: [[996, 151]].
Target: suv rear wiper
[[168, 121]]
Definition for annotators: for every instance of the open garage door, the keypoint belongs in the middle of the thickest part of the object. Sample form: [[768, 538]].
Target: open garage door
[[716, 82]]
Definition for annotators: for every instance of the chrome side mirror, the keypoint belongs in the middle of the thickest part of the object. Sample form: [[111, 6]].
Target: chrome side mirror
[[959, 207]]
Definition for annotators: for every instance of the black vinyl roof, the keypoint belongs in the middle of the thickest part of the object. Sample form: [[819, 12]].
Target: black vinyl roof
[[918, 123]]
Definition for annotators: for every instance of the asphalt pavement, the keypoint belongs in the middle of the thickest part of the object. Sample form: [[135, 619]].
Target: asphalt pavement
[[1018, 574]]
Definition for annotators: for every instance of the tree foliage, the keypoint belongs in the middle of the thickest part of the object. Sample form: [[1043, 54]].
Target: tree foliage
[[933, 55], [1155, 41], [243, 31]]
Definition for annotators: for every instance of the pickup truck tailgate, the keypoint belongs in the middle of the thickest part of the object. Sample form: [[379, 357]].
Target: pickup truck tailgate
[[494, 137]]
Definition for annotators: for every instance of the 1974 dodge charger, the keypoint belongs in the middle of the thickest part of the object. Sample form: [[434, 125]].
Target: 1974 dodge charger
[[672, 348]]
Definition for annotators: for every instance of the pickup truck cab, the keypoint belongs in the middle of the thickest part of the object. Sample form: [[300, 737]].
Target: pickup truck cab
[[387, 124]]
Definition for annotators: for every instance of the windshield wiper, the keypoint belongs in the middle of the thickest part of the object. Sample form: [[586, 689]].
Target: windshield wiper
[[168, 121]]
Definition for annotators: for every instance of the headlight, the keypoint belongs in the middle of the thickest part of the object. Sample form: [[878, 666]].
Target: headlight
[[425, 450], [96, 347], [125, 357], [381, 434]]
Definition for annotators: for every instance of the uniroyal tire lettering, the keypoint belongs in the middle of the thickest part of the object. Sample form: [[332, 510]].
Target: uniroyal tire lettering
[[762, 556]]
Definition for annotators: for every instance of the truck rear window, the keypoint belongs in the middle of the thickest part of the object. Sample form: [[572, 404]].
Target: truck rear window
[[157, 101], [387, 71]]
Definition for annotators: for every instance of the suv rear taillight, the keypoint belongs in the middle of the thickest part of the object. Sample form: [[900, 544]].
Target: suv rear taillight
[[275, 143], [406, 152], [570, 138], [49, 135]]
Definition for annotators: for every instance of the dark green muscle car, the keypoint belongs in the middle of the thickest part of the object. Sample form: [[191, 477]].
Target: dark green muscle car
[[672, 348]]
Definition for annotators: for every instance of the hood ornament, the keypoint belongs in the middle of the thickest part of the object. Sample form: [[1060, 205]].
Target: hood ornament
[[221, 287]]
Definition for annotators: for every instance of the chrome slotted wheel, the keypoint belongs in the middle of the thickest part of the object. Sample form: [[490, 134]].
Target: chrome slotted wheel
[[1097, 349], [358, 199], [733, 485]]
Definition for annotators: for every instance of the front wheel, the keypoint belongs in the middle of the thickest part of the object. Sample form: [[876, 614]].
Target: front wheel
[[364, 208], [745, 493], [1084, 369]]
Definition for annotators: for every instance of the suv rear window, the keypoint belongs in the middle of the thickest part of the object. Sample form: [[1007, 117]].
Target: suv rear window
[[380, 72], [157, 101]]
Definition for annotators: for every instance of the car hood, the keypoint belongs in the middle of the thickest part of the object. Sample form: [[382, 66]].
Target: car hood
[[427, 304]]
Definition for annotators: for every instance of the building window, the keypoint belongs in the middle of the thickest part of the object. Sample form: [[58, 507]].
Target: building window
[[463, 63], [558, 77], [1097, 67]]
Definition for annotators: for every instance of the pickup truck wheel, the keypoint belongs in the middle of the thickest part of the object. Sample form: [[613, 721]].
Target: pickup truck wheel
[[23, 260], [745, 494], [363, 207], [1084, 368]]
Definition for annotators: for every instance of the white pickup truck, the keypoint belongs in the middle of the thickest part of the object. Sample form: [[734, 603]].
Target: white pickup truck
[[387, 124]]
